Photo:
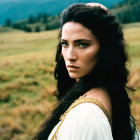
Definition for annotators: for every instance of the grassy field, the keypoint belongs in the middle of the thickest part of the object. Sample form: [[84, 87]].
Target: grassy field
[[27, 83], [132, 37]]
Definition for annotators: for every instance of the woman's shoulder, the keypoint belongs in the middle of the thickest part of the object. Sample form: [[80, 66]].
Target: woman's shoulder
[[87, 108], [102, 95], [86, 119], [83, 120]]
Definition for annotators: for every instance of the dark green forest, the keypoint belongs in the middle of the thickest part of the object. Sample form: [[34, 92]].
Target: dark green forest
[[127, 11], [35, 23]]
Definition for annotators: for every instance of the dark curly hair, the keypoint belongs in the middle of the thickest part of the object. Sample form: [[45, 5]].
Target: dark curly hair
[[110, 71]]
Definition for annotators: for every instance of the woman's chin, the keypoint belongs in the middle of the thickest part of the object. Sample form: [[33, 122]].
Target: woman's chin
[[74, 76]]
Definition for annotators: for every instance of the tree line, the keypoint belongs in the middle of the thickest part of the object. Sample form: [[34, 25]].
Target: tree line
[[127, 11], [37, 23]]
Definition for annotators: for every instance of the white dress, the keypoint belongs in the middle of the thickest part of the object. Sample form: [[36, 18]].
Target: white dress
[[86, 121]]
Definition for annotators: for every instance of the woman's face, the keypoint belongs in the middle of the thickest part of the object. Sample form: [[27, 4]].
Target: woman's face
[[79, 49]]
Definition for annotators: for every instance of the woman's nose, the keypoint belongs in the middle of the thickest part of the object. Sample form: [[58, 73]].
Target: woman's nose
[[71, 54]]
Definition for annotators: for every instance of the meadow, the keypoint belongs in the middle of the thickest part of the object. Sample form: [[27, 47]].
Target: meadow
[[27, 84]]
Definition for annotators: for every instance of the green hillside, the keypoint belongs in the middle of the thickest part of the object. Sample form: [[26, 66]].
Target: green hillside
[[127, 11], [27, 83], [34, 23]]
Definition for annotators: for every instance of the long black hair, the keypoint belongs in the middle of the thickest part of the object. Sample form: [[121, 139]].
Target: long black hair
[[110, 71]]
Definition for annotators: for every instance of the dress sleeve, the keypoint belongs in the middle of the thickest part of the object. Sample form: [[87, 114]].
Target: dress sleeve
[[85, 122]]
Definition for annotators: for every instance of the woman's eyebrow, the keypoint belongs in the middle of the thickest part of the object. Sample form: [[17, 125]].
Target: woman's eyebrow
[[78, 40], [63, 39]]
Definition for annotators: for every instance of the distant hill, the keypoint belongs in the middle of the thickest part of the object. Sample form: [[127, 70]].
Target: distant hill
[[21, 9], [127, 11]]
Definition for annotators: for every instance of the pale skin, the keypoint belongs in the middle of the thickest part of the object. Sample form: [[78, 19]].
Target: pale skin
[[80, 48]]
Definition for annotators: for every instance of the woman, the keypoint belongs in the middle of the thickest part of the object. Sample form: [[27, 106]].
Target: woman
[[91, 79]]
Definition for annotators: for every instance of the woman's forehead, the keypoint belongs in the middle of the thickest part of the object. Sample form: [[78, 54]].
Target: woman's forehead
[[74, 30]]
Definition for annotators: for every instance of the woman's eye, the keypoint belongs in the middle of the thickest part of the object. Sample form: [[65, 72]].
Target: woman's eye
[[83, 45], [64, 44]]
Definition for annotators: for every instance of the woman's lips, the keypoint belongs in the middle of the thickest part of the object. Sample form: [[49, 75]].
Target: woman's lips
[[72, 68]]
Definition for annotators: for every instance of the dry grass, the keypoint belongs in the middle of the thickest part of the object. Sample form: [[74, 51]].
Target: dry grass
[[26, 82], [132, 37]]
